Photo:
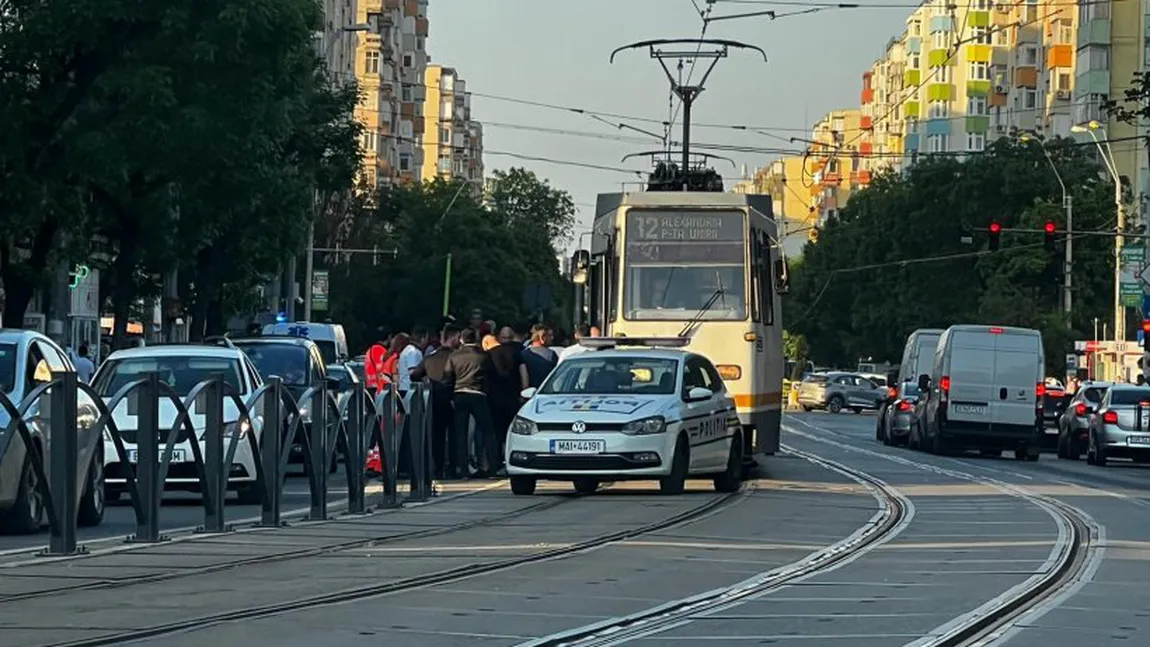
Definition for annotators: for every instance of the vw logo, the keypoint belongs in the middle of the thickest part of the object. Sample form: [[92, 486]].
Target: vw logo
[[579, 427]]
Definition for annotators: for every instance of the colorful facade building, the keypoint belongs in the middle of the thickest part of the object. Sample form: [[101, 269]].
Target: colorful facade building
[[452, 141]]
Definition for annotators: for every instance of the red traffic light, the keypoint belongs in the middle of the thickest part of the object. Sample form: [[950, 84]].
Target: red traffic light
[[1146, 326], [1049, 227], [995, 228]]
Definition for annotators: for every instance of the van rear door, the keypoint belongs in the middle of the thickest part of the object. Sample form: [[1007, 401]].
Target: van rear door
[[1017, 372], [971, 375], [925, 345]]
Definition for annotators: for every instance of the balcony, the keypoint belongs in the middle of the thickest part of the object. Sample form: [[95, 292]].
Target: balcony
[[1094, 32], [978, 18], [421, 27], [866, 122], [977, 123], [939, 57], [1026, 77], [910, 143], [861, 178], [1092, 82], [866, 148], [914, 45], [1059, 56], [940, 126], [978, 53], [867, 96], [941, 23], [912, 110], [911, 77], [975, 88], [940, 92]]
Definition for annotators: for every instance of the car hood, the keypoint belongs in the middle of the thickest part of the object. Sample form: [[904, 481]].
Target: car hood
[[591, 408], [168, 413]]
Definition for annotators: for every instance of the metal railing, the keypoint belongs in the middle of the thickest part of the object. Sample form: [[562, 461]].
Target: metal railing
[[67, 440]]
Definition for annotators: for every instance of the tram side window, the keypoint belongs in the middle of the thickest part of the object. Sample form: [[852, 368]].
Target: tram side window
[[756, 292], [612, 259], [766, 287]]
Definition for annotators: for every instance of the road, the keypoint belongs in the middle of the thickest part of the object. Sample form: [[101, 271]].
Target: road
[[840, 540]]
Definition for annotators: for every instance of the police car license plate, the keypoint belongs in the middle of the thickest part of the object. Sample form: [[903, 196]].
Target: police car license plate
[[582, 446], [178, 456], [1138, 440]]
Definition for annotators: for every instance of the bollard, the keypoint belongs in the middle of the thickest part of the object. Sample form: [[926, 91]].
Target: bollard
[[63, 454], [271, 444], [211, 402], [147, 407], [417, 429], [318, 436], [356, 500], [389, 447]]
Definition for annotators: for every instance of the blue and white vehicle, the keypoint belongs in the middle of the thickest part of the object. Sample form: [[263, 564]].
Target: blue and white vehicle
[[330, 338], [627, 414]]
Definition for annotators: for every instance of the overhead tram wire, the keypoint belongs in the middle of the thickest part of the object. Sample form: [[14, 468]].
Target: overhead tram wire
[[704, 15], [895, 5], [533, 158]]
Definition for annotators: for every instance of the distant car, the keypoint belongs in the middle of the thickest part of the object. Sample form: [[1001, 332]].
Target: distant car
[[1120, 427], [181, 367], [28, 359], [1074, 424], [646, 413], [897, 420], [837, 391]]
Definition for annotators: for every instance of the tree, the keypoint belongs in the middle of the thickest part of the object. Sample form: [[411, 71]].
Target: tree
[[528, 202], [894, 259]]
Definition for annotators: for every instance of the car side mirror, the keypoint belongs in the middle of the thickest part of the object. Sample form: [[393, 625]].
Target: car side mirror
[[528, 393], [333, 383], [924, 383], [699, 394]]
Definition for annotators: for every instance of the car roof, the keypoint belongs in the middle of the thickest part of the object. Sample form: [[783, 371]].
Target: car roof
[[18, 335], [281, 340], [176, 350], [635, 352]]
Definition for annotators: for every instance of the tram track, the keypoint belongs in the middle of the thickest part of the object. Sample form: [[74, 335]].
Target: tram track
[[713, 505]]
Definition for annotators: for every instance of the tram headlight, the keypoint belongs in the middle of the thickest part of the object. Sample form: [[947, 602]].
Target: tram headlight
[[646, 426], [729, 371], [523, 427]]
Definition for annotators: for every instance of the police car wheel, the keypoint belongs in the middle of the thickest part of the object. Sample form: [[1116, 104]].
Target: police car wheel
[[732, 479], [676, 481], [522, 485]]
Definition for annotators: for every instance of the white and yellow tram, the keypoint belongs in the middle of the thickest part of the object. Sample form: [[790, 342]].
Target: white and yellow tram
[[707, 266]]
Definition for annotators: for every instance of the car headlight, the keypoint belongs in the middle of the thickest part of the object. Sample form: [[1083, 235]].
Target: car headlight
[[243, 427], [523, 426], [305, 414], [645, 426]]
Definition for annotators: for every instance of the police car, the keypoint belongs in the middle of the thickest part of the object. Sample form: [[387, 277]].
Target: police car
[[654, 412]]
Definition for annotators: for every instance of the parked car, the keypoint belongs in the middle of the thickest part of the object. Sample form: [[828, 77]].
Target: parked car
[[837, 391], [1074, 424], [900, 417], [28, 359]]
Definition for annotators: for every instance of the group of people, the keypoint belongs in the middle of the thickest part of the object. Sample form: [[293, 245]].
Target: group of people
[[477, 374]]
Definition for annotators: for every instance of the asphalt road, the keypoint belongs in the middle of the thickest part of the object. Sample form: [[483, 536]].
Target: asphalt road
[[975, 529]]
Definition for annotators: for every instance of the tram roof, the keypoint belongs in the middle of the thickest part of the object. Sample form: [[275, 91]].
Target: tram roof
[[681, 199]]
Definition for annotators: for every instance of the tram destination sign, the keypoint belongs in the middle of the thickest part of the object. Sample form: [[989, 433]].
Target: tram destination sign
[[685, 237]]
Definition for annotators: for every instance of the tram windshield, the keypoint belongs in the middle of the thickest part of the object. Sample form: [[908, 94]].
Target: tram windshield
[[678, 262]]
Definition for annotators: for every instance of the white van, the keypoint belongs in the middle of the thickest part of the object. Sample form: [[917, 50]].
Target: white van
[[918, 355], [984, 392], [330, 338]]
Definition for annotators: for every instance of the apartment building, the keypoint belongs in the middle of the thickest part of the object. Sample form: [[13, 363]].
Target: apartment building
[[452, 142], [336, 41], [883, 126], [390, 60], [834, 167]]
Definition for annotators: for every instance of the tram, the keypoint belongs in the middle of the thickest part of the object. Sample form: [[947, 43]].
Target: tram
[[704, 265]]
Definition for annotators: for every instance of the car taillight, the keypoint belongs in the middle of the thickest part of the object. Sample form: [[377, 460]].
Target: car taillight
[[903, 405], [1080, 410], [1039, 390], [1110, 417], [944, 384], [892, 392]]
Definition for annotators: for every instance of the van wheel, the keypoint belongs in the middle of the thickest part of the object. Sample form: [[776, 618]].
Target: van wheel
[[732, 479], [91, 512], [27, 512], [835, 404], [676, 481], [522, 485], [586, 486]]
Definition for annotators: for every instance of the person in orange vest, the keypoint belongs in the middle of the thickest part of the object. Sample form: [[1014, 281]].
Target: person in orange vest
[[385, 377]]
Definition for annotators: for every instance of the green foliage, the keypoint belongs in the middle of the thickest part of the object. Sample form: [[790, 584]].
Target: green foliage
[[795, 346], [495, 254], [893, 261]]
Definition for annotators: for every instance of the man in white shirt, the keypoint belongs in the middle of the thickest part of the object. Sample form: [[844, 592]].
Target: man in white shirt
[[410, 358], [84, 365], [581, 331]]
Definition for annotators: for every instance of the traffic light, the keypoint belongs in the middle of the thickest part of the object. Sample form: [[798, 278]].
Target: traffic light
[[995, 235], [1146, 326], [813, 234], [1048, 232]]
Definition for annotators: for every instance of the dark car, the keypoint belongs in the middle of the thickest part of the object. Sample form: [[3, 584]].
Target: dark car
[[1054, 402], [899, 417]]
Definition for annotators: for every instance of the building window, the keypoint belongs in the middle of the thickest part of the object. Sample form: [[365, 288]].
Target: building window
[[1001, 37], [938, 110], [940, 40], [1089, 108], [405, 162], [981, 35], [1063, 82], [1064, 35], [914, 62], [1095, 58], [976, 106], [407, 60], [979, 71], [937, 143], [975, 142], [444, 164], [980, 5], [1088, 11], [371, 63], [1028, 55], [405, 93], [1029, 99], [419, 44], [444, 136], [370, 141], [915, 28], [406, 130]]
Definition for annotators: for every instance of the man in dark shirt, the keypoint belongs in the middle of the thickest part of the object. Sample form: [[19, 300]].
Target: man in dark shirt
[[540, 359], [434, 368], [469, 367], [508, 378]]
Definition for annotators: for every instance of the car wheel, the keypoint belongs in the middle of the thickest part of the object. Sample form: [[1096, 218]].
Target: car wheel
[[835, 404], [732, 479], [522, 485], [1063, 441], [676, 481], [91, 512], [586, 486], [27, 512], [248, 495]]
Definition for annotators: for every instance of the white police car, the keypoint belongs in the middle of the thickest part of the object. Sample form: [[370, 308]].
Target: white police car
[[627, 414]]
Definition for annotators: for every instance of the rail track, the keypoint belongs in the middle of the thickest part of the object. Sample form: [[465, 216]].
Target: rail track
[[712, 505]]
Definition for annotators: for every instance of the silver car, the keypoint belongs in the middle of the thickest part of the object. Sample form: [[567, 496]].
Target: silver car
[[1074, 423], [1120, 428], [837, 391], [898, 418]]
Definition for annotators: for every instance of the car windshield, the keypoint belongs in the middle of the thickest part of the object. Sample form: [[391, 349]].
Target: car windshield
[[909, 390], [7, 367], [815, 379], [1093, 394], [612, 375], [181, 372], [288, 361], [326, 350], [1129, 397]]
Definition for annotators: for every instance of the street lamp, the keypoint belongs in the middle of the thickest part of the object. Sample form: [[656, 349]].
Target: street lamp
[[323, 49], [1107, 156], [1067, 205]]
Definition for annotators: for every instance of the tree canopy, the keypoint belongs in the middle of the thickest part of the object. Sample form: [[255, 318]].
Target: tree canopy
[[894, 259]]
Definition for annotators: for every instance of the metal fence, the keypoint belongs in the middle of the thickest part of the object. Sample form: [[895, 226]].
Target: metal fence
[[67, 444]]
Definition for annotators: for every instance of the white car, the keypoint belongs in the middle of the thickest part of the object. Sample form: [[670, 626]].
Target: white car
[[182, 367], [623, 414]]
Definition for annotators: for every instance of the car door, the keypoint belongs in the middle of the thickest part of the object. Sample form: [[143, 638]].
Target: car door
[[726, 417], [699, 417]]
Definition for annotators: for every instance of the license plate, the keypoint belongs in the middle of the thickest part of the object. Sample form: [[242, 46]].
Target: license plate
[[971, 409], [178, 456], [578, 446], [1138, 440]]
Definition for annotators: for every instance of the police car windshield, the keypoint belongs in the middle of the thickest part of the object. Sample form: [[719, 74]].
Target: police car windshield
[[612, 375], [7, 367]]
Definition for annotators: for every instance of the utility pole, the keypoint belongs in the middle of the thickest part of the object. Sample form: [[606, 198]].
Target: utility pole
[[1068, 259], [717, 49]]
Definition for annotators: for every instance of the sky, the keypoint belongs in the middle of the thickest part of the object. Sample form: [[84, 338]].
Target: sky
[[557, 52]]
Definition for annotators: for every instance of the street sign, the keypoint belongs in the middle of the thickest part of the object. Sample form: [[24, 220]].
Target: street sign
[[1133, 265], [319, 286]]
